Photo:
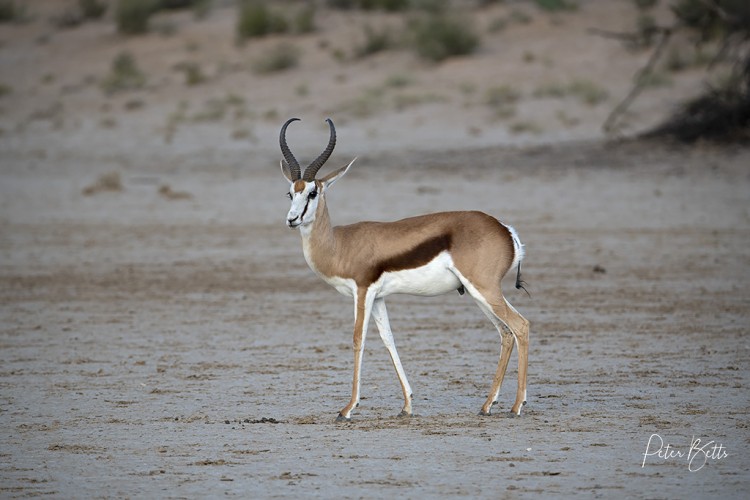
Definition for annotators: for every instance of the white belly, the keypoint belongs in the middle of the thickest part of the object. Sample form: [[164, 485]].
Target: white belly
[[342, 285], [434, 278]]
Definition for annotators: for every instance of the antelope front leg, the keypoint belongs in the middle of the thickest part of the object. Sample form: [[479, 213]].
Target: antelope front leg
[[362, 309], [380, 313]]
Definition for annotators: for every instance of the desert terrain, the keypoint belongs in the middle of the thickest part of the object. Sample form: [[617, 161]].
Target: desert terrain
[[161, 335]]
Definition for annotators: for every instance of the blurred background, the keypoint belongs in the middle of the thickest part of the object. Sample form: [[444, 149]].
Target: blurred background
[[178, 76], [162, 335]]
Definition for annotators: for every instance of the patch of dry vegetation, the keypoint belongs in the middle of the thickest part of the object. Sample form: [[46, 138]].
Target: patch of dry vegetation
[[108, 182]]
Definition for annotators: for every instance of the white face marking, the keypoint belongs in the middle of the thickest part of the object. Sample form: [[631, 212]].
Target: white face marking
[[304, 203]]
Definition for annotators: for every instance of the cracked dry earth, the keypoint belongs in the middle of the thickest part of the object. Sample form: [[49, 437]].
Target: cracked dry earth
[[157, 346]]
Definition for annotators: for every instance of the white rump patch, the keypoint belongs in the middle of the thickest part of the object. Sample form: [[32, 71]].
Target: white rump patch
[[518, 251]]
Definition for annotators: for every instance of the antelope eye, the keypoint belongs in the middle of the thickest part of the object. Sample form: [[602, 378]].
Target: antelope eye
[[312, 195], [289, 195]]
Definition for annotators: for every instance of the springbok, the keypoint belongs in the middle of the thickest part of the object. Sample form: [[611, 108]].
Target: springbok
[[426, 255]]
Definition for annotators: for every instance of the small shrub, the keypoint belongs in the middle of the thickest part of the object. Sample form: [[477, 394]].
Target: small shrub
[[213, 110], [280, 58], [367, 104], [338, 55], [342, 4], [676, 60], [201, 8], [5, 90], [439, 36], [550, 90], [389, 5], [556, 5], [304, 20], [501, 96], [525, 127], [69, 18], [431, 6], [257, 20], [646, 30], [655, 79], [193, 73], [271, 115], [8, 11], [502, 100], [497, 25], [565, 119], [403, 101], [177, 4], [520, 17], [11, 12], [125, 75], [132, 16], [165, 28], [703, 16], [398, 81], [588, 92], [92, 9], [645, 4], [375, 41]]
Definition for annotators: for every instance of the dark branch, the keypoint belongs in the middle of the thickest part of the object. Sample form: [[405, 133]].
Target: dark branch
[[640, 80]]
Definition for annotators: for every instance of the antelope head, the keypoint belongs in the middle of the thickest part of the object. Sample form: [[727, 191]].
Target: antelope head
[[305, 191]]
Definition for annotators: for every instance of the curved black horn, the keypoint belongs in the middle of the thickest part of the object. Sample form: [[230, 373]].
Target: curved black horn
[[312, 170], [294, 168]]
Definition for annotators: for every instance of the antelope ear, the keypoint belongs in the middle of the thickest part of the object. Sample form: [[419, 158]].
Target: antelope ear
[[285, 170], [329, 179]]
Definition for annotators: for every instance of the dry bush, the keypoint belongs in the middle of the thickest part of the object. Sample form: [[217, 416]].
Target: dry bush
[[438, 36], [255, 19], [124, 75], [132, 16], [282, 57]]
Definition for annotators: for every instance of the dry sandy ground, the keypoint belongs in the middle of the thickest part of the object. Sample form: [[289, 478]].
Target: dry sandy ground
[[180, 347], [166, 339]]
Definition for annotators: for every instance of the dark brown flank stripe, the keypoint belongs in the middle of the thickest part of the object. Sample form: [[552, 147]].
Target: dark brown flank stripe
[[418, 256]]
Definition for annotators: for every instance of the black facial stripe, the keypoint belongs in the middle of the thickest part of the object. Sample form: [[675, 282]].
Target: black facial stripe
[[301, 217]]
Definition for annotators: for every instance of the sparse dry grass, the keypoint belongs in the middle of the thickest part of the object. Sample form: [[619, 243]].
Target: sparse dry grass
[[124, 75], [108, 182], [586, 91], [282, 57], [167, 192]]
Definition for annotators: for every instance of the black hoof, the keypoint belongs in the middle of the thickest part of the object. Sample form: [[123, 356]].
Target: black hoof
[[403, 414], [342, 418], [483, 413], [512, 414]]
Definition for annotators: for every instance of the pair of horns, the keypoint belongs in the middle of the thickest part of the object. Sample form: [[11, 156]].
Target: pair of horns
[[313, 168]]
